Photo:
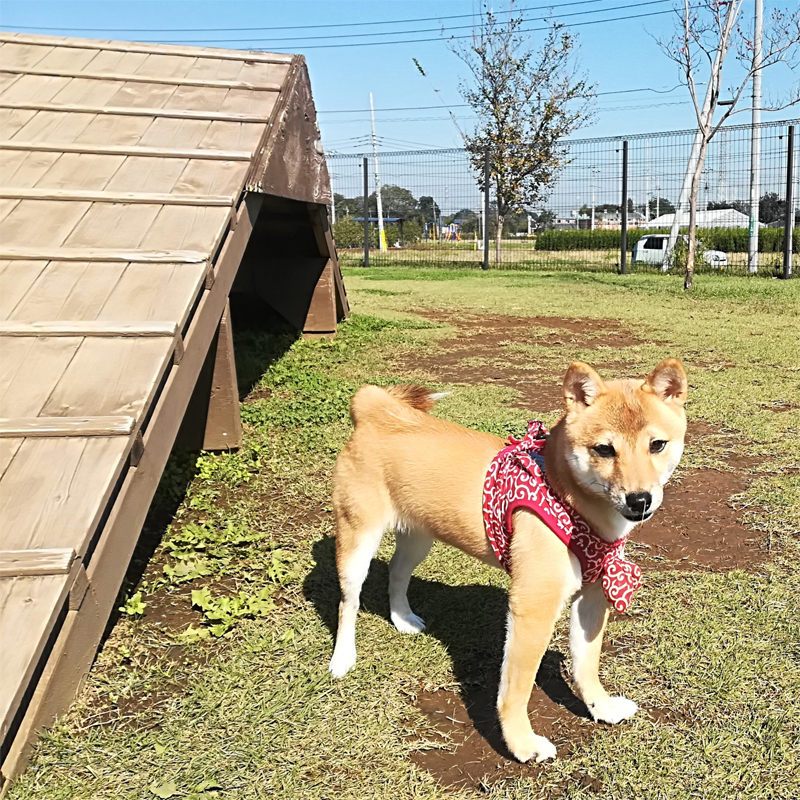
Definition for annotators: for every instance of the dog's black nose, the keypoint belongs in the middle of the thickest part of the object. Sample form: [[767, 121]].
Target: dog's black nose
[[638, 502]]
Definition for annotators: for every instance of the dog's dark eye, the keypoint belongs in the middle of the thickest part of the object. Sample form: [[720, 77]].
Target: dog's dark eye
[[604, 450], [657, 445]]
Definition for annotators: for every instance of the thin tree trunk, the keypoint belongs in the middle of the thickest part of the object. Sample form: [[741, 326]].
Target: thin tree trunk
[[498, 253], [691, 250]]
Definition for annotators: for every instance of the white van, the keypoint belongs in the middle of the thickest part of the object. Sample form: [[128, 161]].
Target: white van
[[652, 248]]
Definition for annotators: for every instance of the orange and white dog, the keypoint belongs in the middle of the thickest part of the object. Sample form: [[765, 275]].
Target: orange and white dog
[[608, 457]]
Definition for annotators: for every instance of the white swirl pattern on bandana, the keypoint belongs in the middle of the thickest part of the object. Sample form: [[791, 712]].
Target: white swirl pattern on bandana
[[515, 480]]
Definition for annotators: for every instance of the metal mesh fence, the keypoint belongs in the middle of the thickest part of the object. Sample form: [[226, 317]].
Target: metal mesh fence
[[432, 207]]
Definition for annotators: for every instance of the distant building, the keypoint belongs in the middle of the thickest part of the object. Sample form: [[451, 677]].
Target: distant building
[[718, 218]]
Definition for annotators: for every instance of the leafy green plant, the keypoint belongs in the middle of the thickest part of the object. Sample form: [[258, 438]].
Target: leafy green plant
[[134, 605], [225, 612]]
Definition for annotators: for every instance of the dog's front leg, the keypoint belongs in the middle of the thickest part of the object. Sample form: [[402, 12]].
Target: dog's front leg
[[531, 618], [588, 618]]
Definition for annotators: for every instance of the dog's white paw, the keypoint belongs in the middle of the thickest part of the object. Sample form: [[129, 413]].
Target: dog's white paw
[[613, 709], [410, 623], [343, 659], [537, 748]]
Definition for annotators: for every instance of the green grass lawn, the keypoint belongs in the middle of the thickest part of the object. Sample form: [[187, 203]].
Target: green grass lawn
[[230, 697]]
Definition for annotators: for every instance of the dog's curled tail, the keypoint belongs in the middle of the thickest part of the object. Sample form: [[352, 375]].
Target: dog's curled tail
[[409, 394]]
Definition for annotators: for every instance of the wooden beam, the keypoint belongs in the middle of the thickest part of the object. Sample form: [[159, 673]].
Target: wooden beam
[[102, 254], [327, 247], [212, 420], [148, 198], [125, 111], [89, 328], [129, 150], [140, 47], [66, 426], [158, 79], [53, 561]]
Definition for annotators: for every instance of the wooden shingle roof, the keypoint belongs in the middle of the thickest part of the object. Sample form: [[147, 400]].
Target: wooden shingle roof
[[123, 217]]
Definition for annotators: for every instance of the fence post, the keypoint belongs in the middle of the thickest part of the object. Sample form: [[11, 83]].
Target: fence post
[[624, 245], [366, 212], [789, 224], [487, 181]]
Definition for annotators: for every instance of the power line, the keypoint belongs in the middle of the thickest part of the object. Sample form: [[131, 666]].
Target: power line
[[466, 105], [473, 116], [295, 27], [278, 48], [295, 40], [250, 42]]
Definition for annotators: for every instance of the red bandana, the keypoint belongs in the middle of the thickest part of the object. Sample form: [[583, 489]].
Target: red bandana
[[516, 480]]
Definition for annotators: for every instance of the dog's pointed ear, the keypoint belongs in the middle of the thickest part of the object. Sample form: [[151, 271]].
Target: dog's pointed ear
[[668, 382], [582, 386]]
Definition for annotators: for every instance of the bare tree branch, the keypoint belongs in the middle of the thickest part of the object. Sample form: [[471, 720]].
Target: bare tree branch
[[711, 28]]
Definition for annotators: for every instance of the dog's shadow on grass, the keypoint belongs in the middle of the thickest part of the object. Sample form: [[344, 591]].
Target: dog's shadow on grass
[[470, 621]]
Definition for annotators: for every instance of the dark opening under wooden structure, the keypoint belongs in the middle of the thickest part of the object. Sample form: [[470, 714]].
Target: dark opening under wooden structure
[[146, 189]]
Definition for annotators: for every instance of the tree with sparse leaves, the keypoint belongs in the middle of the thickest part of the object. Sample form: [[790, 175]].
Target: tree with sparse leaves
[[706, 31], [528, 99]]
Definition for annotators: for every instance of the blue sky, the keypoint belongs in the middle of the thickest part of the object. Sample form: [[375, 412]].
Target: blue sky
[[618, 56]]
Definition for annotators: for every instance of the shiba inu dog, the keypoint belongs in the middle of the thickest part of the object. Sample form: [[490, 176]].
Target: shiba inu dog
[[607, 458]]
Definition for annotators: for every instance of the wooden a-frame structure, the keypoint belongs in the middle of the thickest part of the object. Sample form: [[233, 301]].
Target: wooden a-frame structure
[[143, 185]]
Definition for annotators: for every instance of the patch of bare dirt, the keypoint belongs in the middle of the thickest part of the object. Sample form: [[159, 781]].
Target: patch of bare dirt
[[696, 525], [485, 338], [475, 755]]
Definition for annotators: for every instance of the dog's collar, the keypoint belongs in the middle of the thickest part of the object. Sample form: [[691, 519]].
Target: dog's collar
[[516, 479]]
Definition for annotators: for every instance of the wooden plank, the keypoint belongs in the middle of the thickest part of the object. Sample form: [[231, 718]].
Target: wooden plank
[[155, 291], [29, 370], [138, 47], [103, 254], [193, 227], [110, 377], [132, 78], [77, 642], [109, 225], [29, 427], [145, 198], [29, 607], [52, 221], [63, 506], [132, 150], [88, 328], [22, 54], [124, 111], [8, 449], [51, 561], [16, 279], [71, 290], [23, 169], [218, 177]]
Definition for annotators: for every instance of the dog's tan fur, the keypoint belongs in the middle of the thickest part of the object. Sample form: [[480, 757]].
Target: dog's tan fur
[[407, 470]]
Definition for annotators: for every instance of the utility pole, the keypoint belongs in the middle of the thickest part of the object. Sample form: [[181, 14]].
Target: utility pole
[[365, 165], [755, 140], [487, 177], [789, 220], [624, 222], [381, 234], [647, 181]]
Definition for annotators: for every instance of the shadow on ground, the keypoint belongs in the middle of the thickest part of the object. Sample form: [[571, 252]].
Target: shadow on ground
[[470, 622]]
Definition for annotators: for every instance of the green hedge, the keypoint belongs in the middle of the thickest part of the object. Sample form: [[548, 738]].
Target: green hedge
[[729, 240]]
